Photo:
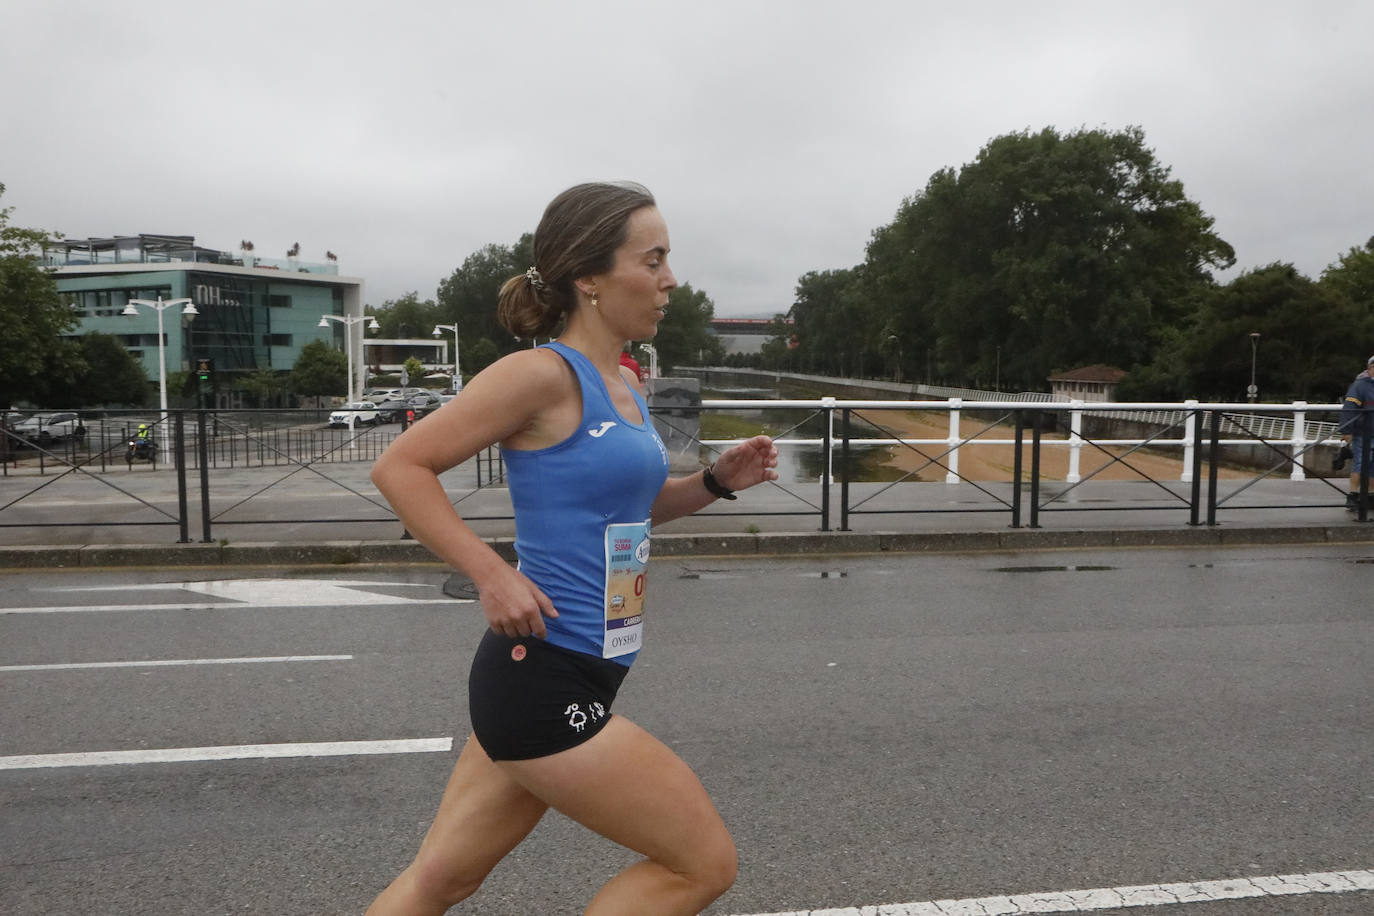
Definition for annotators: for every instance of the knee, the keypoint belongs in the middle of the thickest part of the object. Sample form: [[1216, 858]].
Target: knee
[[434, 879], [717, 868]]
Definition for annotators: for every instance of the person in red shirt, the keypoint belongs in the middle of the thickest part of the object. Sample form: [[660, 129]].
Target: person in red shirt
[[630, 363]]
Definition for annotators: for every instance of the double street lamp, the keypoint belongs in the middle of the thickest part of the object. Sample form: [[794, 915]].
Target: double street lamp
[[457, 383], [160, 305], [348, 321]]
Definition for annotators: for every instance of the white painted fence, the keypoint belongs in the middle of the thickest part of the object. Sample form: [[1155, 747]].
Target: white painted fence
[[1282, 425]]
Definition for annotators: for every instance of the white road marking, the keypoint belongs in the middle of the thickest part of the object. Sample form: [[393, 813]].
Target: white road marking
[[230, 752], [248, 593], [173, 662], [1106, 898]]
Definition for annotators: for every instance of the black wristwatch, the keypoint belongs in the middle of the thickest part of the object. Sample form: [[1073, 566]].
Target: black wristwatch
[[708, 477]]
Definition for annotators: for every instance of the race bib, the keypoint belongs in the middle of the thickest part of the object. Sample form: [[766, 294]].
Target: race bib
[[627, 558]]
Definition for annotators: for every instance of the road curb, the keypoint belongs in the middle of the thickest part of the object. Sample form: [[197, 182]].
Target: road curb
[[409, 552]]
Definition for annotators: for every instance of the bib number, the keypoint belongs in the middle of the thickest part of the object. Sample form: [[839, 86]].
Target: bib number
[[627, 560]]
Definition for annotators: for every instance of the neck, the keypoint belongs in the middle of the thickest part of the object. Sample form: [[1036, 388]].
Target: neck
[[596, 342]]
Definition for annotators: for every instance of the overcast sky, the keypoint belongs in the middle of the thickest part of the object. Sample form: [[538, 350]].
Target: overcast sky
[[404, 135]]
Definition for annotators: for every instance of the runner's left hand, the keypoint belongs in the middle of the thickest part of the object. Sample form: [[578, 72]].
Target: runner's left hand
[[749, 463]]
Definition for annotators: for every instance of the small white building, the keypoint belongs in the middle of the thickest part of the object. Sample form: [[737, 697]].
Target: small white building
[[1089, 383]]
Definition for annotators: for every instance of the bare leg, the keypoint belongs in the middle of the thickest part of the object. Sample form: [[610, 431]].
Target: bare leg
[[629, 787], [484, 814]]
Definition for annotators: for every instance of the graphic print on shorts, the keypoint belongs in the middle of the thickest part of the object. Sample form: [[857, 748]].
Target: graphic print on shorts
[[627, 558], [577, 719]]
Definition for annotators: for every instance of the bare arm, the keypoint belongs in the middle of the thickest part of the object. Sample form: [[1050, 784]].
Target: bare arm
[[749, 463], [510, 399]]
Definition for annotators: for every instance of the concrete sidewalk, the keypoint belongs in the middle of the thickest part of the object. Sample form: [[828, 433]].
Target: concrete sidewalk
[[268, 516]]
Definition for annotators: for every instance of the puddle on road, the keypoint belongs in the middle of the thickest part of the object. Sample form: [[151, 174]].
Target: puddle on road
[[1042, 569], [821, 574]]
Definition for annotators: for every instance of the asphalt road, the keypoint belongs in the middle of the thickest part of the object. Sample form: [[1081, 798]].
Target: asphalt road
[[874, 730]]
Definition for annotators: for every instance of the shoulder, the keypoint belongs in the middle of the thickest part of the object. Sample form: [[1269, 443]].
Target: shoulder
[[532, 369], [632, 377], [516, 388]]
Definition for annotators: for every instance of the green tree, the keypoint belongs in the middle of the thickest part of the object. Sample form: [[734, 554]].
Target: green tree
[[106, 375], [266, 386], [320, 370], [684, 335], [1352, 276], [1302, 352], [413, 369], [1047, 252], [34, 316], [407, 317], [478, 356], [468, 296], [779, 350], [836, 327]]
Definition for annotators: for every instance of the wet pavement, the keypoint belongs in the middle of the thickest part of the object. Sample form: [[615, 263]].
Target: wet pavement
[[874, 730]]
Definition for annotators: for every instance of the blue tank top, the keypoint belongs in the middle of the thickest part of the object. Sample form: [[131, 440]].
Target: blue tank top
[[582, 519]]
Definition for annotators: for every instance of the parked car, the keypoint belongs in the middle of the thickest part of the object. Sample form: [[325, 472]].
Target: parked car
[[362, 413], [425, 402], [50, 427], [391, 410]]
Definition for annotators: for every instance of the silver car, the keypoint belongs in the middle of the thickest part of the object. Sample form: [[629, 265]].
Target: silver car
[[51, 427]]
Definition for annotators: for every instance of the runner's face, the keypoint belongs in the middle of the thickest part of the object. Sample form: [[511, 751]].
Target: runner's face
[[633, 295]]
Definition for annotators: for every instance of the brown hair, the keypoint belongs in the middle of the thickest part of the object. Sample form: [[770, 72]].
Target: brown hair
[[577, 237]]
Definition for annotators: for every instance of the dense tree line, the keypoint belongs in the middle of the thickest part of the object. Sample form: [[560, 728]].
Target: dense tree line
[[1050, 251], [1054, 251]]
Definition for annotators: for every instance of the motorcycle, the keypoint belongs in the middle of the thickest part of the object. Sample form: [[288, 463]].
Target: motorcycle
[[140, 450]]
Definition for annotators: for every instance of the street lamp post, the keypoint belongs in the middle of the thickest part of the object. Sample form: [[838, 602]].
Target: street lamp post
[[653, 359], [348, 322], [1252, 392], [457, 383], [160, 305]]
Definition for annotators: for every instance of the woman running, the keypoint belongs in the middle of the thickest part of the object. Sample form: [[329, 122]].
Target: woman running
[[588, 478]]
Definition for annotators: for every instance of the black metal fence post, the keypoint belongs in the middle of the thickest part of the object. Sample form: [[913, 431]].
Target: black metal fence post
[[827, 469], [179, 444], [1213, 456], [1195, 502], [1035, 470], [844, 471], [1016, 473], [202, 451]]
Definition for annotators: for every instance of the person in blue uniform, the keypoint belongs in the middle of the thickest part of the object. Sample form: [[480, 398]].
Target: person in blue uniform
[[589, 481], [1354, 427]]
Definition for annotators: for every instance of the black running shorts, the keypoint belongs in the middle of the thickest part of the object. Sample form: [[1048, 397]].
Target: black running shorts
[[528, 698]]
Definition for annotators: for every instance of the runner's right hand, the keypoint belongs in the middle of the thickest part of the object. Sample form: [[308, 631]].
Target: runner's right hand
[[513, 605]]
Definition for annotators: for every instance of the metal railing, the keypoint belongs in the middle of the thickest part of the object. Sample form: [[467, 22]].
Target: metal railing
[[297, 442], [1192, 424]]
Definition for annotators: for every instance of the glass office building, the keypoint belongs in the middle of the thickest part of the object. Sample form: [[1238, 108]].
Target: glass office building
[[254, 313]]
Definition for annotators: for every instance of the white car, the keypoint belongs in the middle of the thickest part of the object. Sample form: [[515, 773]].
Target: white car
[[50, 427], [362, 413]]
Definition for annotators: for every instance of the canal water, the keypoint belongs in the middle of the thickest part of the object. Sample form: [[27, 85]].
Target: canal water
[[796, 463]]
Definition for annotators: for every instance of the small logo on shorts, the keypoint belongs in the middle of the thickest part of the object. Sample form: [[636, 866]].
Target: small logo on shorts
[[518, 653]]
